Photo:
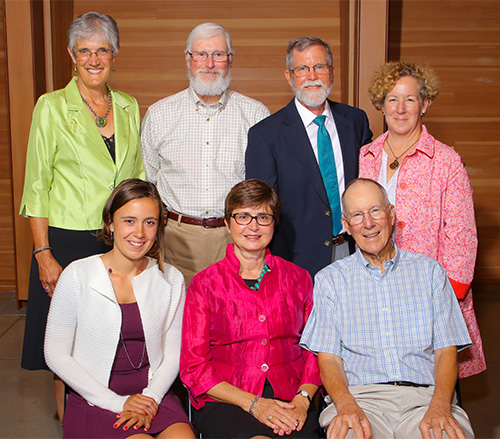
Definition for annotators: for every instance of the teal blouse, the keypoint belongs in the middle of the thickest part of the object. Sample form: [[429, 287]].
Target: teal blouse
[[69, 171]]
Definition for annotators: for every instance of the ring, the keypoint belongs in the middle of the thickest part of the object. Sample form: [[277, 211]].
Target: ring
[[150, 409], [46, 288], [270, 417], [143, 420]]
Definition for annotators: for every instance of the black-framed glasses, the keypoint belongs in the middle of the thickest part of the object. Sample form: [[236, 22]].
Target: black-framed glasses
[[102, 53], [376, 213], [217, 56], [244, 218], [320, 69]]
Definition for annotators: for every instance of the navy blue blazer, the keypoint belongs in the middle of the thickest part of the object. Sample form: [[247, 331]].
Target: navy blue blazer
[[280, 153]]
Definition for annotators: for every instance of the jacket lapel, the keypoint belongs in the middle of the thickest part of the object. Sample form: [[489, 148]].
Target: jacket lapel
[[79, 114], [299, 143], [122, 128], [347, 142]]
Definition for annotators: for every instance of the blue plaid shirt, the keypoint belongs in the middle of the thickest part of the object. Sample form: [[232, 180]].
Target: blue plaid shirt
[[385, 327]]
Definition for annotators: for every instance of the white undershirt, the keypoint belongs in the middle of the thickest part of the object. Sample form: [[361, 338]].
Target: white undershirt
[[391, 185]]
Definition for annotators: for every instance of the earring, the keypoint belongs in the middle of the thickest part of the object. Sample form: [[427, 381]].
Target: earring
[[423, 112], [113, 69], [112, 238], [74, 68]]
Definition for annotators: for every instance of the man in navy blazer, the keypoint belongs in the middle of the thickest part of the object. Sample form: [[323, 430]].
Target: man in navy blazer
[[282, 150]]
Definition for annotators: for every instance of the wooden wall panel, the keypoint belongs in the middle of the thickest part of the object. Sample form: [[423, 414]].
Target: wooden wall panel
[[153, 38], [7, 260], [461, 41]]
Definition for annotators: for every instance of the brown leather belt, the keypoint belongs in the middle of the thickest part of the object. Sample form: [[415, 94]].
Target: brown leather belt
[[208, 223], [340, 239], [405, 384]]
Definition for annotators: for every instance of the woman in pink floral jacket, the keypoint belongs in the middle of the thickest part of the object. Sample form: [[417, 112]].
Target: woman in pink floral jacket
[[427, 183]]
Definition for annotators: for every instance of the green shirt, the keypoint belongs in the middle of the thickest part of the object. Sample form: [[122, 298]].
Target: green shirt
[[69, 171]]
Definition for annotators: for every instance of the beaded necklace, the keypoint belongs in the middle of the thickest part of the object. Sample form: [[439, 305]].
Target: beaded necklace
[[265, 269]]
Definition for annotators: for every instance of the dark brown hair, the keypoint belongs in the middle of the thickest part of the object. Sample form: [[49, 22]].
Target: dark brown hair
[[126, 191], [252, 193]]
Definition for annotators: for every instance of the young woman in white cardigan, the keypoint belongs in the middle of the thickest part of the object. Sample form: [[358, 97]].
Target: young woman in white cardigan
[[114, 327]]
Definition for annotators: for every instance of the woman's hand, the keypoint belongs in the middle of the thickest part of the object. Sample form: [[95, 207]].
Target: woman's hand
[[276, 414], [300, 411], [141, 404], [133, 420], [49, 271]]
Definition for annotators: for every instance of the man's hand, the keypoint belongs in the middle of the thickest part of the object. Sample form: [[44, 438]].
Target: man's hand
[[349, 416], [438, 418]]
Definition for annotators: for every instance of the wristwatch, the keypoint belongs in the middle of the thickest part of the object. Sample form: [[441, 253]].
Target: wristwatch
[[305, 395]]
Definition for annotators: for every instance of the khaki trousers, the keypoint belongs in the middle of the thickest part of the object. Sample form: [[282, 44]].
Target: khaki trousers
[[191, 248], [395, 411]]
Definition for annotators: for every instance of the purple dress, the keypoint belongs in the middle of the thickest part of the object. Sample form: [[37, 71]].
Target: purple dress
[[82, 420]]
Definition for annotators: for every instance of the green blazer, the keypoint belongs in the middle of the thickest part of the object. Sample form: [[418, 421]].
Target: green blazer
[[69, 171]]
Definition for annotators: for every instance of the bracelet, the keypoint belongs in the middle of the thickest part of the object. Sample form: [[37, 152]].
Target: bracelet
[[41, 249], [254, 401]]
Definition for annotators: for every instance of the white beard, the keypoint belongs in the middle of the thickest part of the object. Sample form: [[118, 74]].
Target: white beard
[[213, 88], [312, 98]]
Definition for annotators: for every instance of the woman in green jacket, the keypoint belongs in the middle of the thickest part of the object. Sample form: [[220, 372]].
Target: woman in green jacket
[[84, 140]]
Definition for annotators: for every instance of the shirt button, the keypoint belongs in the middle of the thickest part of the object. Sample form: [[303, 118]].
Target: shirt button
[[264, 367], [387, 333], [327, 212], [327, 243], [401, 224], [208, 143], [111, 188], [403, 186], [262, 318], [263, 342], [208, 120]]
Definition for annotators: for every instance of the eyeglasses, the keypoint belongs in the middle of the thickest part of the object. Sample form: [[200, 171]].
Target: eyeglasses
[[244, 218], [320, 69], [217, 56], [376, 213], [102, 53]]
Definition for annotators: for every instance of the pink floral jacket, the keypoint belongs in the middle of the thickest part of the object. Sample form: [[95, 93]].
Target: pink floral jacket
[[435, 217]]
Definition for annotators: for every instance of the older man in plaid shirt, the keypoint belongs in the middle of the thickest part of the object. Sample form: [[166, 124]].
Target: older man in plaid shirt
[[386, 326], [193, 148]]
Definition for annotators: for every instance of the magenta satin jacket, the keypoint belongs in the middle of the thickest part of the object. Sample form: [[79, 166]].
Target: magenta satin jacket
[[435, 217], [235, 334]]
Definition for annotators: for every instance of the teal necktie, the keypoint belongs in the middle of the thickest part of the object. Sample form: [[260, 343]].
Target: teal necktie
[[326, 161]]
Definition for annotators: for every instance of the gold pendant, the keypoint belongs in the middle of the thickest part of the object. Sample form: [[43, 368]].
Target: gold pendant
[[394, 164]]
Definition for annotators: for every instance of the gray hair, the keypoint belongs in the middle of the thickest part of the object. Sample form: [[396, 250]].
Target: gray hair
[[301, 44], [381, 189], [91, 25], [207, 30]]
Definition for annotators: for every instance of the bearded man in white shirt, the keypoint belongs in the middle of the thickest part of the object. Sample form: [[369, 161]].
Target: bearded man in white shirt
[[193, 147]]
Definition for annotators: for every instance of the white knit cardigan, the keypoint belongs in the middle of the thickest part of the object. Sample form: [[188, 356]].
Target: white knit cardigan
[[83, 329]]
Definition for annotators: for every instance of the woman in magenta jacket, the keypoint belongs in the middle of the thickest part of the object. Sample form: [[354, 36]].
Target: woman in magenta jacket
[[240, 357]]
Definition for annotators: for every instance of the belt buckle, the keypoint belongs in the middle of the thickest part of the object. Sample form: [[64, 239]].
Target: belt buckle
[[205, 226]]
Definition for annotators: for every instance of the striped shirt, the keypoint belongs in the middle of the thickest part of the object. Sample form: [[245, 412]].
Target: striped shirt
[[385, 327], [195, 153]]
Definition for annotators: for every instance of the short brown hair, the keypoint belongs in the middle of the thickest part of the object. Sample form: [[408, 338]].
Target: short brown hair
[[386, 76], [126, 191], [252, 193]]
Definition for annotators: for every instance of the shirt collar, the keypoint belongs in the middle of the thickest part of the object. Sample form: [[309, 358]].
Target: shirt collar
[[308, 116], [389, 265], [425, 144], [199, 103]]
